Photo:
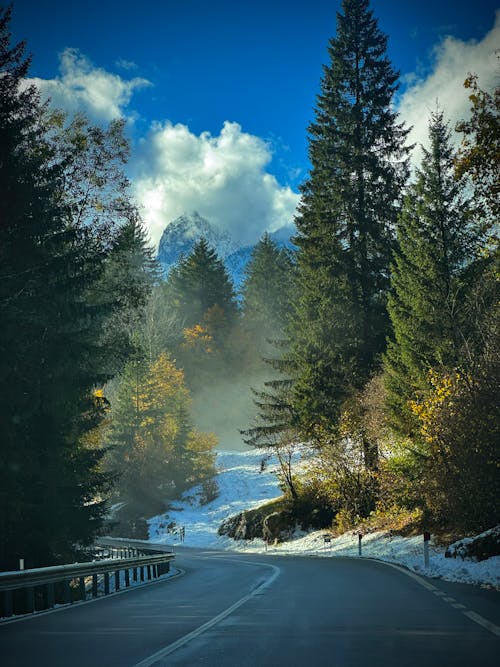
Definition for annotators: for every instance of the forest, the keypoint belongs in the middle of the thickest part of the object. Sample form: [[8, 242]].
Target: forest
[[373, 344]]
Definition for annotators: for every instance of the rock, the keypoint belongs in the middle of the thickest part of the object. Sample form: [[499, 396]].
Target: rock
[[276, 526], [477, 548], [243, 526]]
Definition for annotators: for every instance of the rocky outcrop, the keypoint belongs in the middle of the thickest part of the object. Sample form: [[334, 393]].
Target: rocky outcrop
[[477, 548], [243, 526], [262, 523]]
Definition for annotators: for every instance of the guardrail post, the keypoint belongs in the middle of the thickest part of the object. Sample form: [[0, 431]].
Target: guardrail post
[[81, 586], [106, 583], [30, 600], [8, 608], [66, 591], [427, 537], [94, 585], [51, 598], [117, 580]]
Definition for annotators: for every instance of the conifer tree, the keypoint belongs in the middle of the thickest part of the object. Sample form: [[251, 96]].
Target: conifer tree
[[48, 481], [267, 293], [346, 220], [199, 282], [432, 277], [54, 355]]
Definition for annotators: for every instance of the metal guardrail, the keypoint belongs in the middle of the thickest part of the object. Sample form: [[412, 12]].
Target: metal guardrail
[[27, 591], [142, 546]]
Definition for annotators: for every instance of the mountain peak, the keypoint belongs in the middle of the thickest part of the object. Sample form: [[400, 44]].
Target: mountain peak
[[181, 234]]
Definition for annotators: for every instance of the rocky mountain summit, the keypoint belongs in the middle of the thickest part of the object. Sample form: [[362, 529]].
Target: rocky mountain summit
[[181, 234]]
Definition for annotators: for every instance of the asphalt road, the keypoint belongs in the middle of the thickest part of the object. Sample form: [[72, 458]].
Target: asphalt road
[[230, 610]]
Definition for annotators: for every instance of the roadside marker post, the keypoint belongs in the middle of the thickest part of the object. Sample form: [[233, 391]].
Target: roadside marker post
[[360, 537], [427, 537]]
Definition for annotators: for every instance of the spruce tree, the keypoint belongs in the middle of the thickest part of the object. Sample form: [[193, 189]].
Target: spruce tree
[[48, 481], [346, 220], [199, 282], [267, 293], [54, 353], [432, 277]]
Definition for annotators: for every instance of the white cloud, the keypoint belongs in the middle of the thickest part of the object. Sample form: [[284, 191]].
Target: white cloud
[[223, 177], [453, 60], [80, 86]]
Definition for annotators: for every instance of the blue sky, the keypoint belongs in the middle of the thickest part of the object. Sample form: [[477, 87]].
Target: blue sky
[[219, 94]]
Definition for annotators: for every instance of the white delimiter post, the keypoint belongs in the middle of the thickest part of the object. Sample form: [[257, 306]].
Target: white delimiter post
[[427, 537], [360, 537]]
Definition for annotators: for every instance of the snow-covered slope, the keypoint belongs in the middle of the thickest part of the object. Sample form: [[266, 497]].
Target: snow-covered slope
[[243, 485]]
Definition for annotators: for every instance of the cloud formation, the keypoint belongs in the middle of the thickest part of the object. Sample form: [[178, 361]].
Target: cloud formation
[[453, 60], [223, 177], [80, 86]]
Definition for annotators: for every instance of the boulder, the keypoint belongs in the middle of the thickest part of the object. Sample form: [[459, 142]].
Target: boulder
[[477, 548]]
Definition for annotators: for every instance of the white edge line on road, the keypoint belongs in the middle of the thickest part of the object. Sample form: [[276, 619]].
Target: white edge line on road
[[482, 621], [414, 576], [147, 662], [477, 618], [81, 603]]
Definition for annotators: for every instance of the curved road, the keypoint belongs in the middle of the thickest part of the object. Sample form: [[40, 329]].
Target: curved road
[[232, 610]]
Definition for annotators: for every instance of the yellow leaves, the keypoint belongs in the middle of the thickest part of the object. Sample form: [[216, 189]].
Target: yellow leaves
[[198, 338], [428, 409], [201, 443]]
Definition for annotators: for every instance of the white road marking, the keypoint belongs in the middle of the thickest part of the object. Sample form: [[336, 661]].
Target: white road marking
[[477, 618], [147, 662], [483, 621]]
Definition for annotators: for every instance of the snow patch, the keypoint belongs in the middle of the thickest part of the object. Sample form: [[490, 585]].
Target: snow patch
[[244, 485]]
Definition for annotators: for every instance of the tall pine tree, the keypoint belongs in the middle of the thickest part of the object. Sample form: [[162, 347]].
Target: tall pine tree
[[346, 220], [432, 277], [54, 352], [200, 282], [267, 293]]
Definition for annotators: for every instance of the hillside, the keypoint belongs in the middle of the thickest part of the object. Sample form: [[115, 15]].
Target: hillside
[[243, 486]]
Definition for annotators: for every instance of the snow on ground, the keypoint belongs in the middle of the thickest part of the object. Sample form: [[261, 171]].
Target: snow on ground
[[243, 485]]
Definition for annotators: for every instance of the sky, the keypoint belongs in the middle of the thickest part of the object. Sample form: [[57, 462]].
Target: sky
[[218, 94]]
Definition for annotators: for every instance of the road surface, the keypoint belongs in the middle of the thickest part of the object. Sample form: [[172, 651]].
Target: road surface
[[235, 610]]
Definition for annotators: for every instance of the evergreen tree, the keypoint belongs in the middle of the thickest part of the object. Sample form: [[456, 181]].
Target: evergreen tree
[[479, 154], [267, 293], [432, 277], [346, 220], [129, 275], [48, 481], [55, 307], [199, 282]]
